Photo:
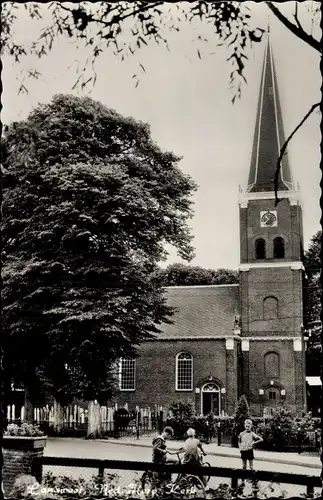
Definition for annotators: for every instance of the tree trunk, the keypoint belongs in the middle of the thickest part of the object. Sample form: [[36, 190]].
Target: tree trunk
[[58, 418], [94, 420], [29, 406], [3, 425]]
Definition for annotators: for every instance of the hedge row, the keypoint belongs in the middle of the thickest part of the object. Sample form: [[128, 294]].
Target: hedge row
[[280, 431]]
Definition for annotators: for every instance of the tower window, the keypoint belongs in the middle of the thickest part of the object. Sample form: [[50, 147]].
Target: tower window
[[270, 306], [279, 248], [260, 249]]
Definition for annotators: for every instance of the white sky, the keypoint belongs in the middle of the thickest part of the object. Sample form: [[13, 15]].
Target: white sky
[[187, 102]]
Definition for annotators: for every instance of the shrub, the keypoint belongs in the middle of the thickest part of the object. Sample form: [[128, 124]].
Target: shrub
[[227, 425], [180, 417], [23, 485], [67, 487], [242, 412], [200, 425], [208, 426], [306, 424], [25, 430], [205, 426], [279, 430]]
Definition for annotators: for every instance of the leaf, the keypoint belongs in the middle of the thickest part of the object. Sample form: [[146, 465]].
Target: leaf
[[141, 39], [22, 88], [233, 41]]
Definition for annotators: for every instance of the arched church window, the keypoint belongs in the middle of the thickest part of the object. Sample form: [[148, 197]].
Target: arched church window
[[127, 374], [279, 248], [271, 362], [184, 371], [260, 248], [270, 307]]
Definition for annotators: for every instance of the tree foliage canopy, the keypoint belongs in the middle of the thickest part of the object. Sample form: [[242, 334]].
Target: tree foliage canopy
[[89, 201], [241, 413], [312, 261], [312, 303], [125, 27], [179, 274]]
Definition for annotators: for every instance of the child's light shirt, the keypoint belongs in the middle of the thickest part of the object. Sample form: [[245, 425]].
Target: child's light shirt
[[191, 446], [247, 439]]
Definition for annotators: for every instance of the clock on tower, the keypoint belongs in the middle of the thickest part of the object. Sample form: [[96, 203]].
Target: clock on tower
[[268, 219]]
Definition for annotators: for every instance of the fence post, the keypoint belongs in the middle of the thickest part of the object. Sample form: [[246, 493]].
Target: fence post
[[161, 420], [234, 482], [316, 439], [116, 425], [37, 469], [219, 433], [254, 484], [310, 491], [299, 449], [101, 474], [137, 421]]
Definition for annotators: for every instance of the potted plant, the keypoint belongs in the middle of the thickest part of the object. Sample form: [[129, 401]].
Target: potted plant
[[22, 445], [24, 436]]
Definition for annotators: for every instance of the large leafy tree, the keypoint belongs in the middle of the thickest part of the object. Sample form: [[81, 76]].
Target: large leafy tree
[[89, 201], [312, 304], [180, 274]]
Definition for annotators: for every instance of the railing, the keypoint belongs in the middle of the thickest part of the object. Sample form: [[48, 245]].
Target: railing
[[139, 422], [297, 443], [295, 481]]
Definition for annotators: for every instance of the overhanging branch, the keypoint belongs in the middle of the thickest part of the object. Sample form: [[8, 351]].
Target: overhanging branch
[[297, 30], [284, 147], [118, 18], [297, 21]]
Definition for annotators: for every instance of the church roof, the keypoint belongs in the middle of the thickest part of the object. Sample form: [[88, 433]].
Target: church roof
[[201, 311], [269, 134]]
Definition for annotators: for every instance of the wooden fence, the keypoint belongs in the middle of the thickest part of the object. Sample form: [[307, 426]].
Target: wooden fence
[[292, 482], [144, 420]]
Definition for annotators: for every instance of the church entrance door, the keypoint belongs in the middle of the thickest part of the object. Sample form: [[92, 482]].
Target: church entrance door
[[210, 400], [272, 400]]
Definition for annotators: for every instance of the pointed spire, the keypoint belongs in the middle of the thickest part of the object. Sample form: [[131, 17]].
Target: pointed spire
[[269, 134]]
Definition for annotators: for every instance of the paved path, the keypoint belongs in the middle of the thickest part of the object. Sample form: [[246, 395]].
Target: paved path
[[140, 450], [228, 452]]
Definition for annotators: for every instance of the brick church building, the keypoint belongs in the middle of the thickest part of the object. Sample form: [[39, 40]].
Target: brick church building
[[228, 340]]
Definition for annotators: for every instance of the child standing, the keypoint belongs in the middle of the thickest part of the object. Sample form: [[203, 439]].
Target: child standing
[[247, 440]]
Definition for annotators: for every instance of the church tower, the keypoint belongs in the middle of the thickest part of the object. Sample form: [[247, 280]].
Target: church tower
[[271, 269]]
